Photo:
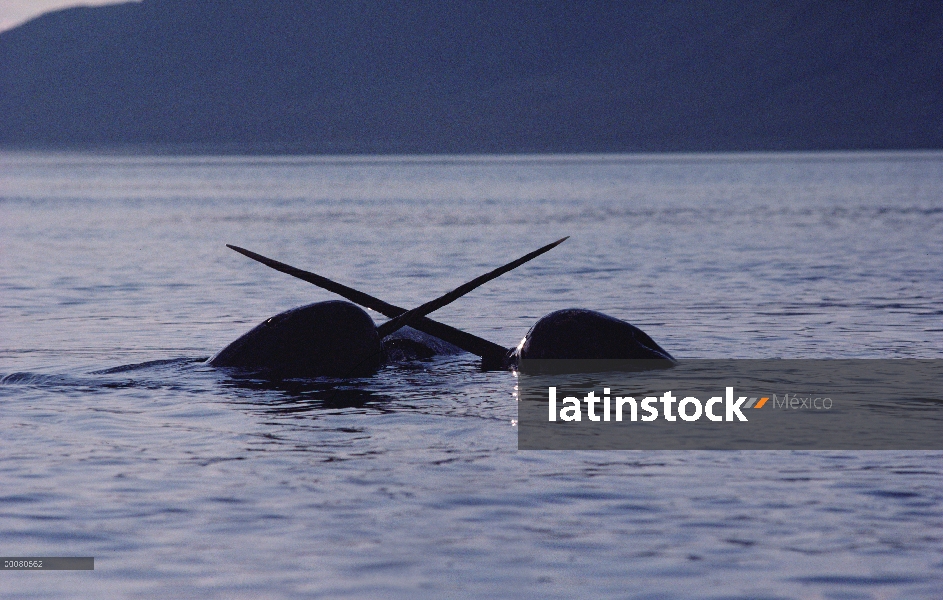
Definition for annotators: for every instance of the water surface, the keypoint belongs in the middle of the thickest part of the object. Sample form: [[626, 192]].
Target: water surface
[[184, 482]]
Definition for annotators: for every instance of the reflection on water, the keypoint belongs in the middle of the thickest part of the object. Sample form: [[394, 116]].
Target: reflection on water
[[187, 481]]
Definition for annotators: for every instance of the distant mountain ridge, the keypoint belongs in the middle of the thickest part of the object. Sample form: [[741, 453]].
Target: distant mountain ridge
[[466, 77]]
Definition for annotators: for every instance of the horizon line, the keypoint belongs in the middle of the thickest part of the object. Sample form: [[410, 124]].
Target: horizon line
[[166, 151]]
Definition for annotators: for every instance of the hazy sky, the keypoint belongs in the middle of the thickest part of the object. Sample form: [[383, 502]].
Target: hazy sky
[[14, 12]]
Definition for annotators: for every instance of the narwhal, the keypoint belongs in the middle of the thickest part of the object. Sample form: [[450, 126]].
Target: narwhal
[[339, 339], [572, 333]]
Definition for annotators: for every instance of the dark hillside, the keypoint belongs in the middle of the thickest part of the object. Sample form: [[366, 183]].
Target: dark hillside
[[428, 76]]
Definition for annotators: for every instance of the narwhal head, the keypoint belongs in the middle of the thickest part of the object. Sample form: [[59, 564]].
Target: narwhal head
[[576, 333]]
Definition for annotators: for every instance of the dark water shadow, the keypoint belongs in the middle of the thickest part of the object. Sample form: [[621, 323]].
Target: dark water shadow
[[151, 364], [195, 380], [296, 396]]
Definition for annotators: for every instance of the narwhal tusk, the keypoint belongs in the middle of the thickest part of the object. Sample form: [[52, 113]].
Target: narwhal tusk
[[420, 311], [493, 355]]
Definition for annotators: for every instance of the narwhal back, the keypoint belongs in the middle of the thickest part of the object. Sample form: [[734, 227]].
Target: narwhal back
[[333, 339]]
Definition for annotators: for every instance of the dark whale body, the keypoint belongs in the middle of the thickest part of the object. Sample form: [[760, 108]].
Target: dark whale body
[[577, 333], [333, 339], [339, 339], [325, 339]]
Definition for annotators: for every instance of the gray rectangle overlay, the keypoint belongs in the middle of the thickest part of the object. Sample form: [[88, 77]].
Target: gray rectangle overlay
[[47, 563], [843, 404]]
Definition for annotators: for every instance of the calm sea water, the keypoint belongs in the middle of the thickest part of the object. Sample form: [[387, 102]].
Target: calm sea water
[[182, 482]]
